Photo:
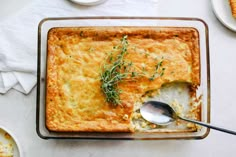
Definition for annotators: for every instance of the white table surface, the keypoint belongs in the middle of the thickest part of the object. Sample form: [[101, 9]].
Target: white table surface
[[17, 111]]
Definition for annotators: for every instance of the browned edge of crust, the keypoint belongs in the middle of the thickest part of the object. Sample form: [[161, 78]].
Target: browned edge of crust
[[232, 4]]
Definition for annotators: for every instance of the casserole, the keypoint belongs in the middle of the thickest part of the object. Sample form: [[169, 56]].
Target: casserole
[[128, 24]]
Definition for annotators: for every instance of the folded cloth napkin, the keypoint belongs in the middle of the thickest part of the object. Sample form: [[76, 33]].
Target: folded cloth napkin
[[18, 34]]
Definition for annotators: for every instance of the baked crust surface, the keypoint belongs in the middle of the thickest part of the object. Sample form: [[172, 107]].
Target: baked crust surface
[[233, 7], [74, 99]]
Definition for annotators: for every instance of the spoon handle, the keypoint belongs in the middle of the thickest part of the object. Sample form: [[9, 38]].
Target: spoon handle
[[209, 126]]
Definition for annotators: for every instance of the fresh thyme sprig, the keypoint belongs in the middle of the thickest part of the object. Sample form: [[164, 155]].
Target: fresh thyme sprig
[[159, 71], [112, 75], [118, 70]]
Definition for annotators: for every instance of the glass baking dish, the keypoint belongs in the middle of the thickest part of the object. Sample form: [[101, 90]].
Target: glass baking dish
[[204, 89]]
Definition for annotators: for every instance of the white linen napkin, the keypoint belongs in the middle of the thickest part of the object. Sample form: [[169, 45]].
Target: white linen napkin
[[18, 34]]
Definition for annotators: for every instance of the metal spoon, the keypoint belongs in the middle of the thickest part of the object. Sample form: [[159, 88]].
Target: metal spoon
[[162, 114]]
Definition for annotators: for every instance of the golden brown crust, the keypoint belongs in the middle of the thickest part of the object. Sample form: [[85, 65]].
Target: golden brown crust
[[233, 7], [74, 100]]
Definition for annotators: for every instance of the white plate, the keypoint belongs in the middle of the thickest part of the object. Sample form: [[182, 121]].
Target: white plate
[[88, 2], [6, 137], [222, 11]]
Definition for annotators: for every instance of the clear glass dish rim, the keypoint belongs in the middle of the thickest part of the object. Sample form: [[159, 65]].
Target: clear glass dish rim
[[121, 18]]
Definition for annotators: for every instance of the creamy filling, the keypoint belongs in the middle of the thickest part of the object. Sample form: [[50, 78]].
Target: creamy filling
[[176, 95]]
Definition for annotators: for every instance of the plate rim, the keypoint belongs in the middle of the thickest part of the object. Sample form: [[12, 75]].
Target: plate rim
[[89, 3], [219, 18]]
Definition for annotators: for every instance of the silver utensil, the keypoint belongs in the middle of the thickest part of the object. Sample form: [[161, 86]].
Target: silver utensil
[[162, 114]]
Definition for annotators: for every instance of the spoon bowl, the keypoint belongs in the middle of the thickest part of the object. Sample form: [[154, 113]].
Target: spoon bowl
[[163, 114], [158, 113]]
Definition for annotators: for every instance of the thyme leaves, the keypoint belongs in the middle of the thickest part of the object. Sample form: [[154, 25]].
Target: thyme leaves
[[117, 70], [112, 74]]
